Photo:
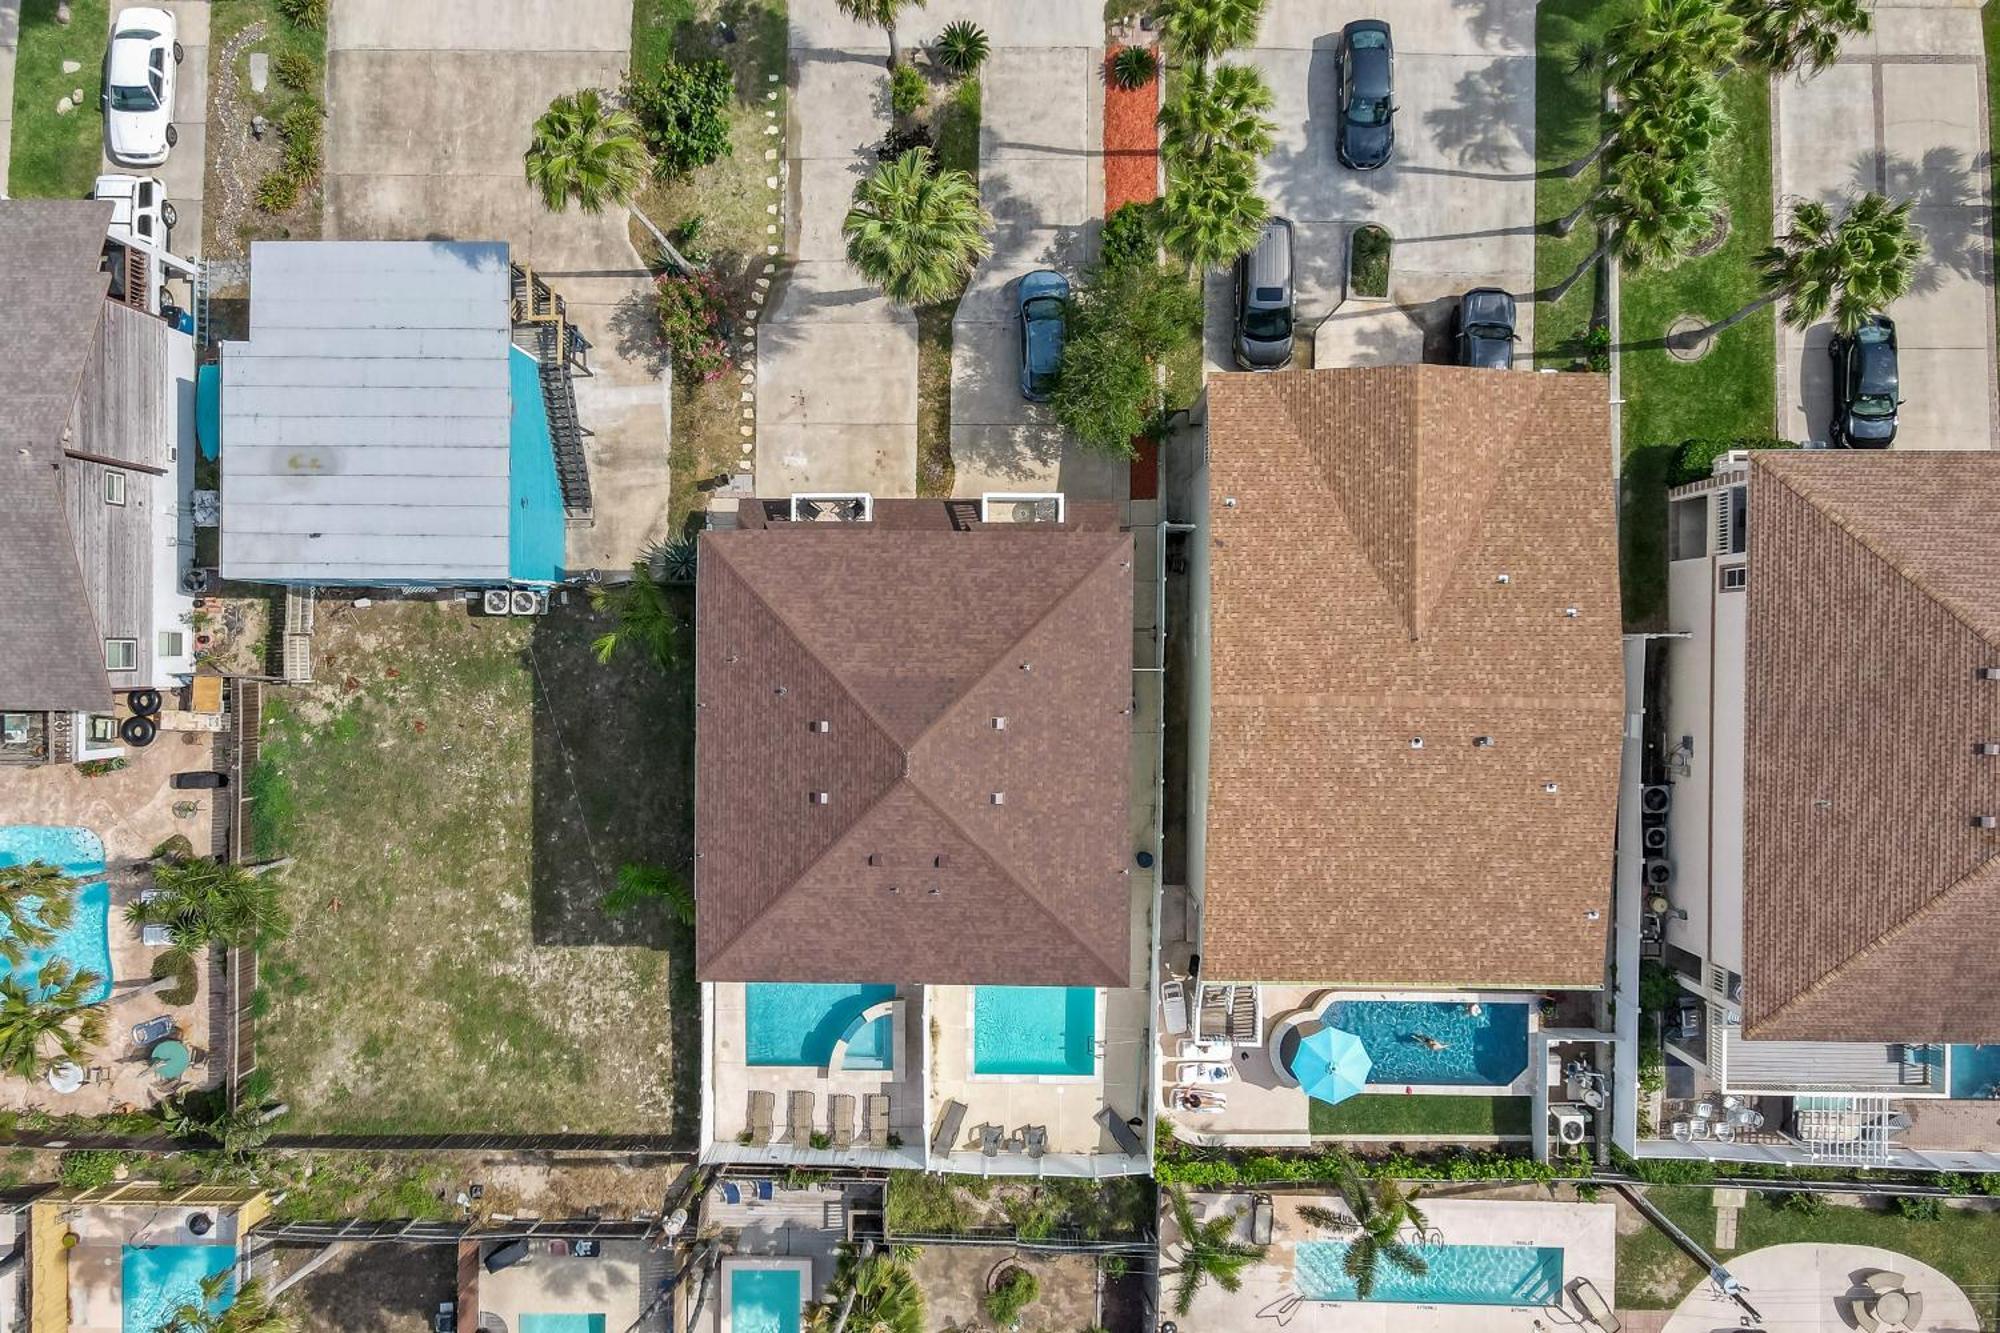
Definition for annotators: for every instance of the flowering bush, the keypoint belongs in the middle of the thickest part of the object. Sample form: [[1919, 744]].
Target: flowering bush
[[691, 323]]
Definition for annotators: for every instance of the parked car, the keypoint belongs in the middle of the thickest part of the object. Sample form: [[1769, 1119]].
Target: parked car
[[1865, 386], [200, 780], [139, 74], [1367, 133], [140, 208], [1044, 307], [1264, 300], [1484, 328]]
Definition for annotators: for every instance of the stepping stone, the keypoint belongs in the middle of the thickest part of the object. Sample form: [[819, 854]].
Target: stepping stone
[[770, 249], [770, 182], [64, 107], [769, 97], [771, 229], [746, 451], [76, 66], [772, 77], [749, 414], [751, 315], [76, 96], [770, 268], [762, 283], [770, 129], [749, 377], [746, 397], [260, 71], [770, 155], [746, 432], [772, 209]]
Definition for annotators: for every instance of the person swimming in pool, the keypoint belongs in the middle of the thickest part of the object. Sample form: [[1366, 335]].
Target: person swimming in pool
[[1428, 1042], [1474, 1009]]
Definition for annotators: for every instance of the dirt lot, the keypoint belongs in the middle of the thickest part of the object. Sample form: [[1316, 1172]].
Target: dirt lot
[[372, 1288], [954, 1282], [458, 793]]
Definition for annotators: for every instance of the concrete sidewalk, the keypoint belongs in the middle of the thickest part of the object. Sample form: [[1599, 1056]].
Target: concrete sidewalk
[[10, 37], [1904, 112]]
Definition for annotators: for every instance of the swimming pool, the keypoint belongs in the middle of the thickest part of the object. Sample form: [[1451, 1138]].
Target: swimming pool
[[156, 1280], [1486, 1049], [1975, 1071], [764, 1300], [1034, 1030], [797, 1023], [562, 1323], [536, 526], [86, 941], [1458, 1275]]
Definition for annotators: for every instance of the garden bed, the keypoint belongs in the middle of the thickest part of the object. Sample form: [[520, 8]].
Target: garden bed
[[239, 161], [953, 118]]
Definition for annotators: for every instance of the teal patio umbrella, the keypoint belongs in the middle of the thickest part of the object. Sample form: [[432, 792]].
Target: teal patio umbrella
[[1331, 1065]]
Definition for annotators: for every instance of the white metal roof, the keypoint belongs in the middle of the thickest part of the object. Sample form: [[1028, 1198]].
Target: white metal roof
[[365, 422]]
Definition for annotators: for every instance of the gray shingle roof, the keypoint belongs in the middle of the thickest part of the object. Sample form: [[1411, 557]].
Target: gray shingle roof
[[51, 655]]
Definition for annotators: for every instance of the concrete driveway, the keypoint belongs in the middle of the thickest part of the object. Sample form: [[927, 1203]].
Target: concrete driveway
[[187, 161], [1459, 194], [431, 107], [1903, 112]]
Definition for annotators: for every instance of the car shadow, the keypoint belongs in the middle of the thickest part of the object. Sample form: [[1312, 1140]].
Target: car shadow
[[1814, 377]]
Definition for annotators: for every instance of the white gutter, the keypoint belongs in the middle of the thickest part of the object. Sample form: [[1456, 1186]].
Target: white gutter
[[1627, 903]]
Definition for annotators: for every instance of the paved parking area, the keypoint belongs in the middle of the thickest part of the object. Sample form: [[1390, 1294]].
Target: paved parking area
[[1903, 112], [1459, 195], [187, 161], [406, 161]]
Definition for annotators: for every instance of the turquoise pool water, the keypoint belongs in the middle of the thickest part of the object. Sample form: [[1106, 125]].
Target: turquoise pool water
[[1034, 1030], [797, 1023], [1975, 1071], [1484, 1049], [157, 1280], [1458, 1275], [562, 1323], [764, 1300], [86, 943], [535, 527]]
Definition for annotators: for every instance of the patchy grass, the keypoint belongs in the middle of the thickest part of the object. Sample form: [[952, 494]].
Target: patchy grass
[[923, 1204], [723, 204], [57, 157], [1653, 1272], [955, 122], [1569, 118], [231, 221], [1419, 1116], [457, 793]]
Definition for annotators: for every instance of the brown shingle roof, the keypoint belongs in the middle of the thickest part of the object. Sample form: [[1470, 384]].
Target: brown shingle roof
[[907, 644], [1871, 902], [1357, 604]]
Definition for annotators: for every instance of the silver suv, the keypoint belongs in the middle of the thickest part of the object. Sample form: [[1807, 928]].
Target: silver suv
[[1264, 300]]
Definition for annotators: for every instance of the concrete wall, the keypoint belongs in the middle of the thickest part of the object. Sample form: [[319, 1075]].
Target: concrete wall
[[1184, 490]]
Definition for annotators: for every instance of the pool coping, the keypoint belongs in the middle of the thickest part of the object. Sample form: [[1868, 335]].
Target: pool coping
[[1100, 1001], [737, 1263], [836, 1053]]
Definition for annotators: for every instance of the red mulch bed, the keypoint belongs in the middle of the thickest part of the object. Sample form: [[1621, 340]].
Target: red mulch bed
[[1132, 176]]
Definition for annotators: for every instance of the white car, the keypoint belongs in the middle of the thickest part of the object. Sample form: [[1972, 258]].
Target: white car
[[139, 87], [140, 208]]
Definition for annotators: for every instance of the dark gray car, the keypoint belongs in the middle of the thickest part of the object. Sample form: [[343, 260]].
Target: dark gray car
[[1367, 95], [1484, 327], [1866, 385], [1264, 300]]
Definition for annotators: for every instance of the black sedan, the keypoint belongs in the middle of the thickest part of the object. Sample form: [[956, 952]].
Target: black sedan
[[1367, 95], [1865, 385], [1485, 329]]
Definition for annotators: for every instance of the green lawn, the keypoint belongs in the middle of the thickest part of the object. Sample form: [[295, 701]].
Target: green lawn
[[57, 157], [1419, 1116]]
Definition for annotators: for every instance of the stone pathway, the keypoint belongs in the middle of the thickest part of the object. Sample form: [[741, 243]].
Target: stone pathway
[[1903, 112]]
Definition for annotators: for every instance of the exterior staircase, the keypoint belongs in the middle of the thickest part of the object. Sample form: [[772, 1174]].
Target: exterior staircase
[[542, 328]]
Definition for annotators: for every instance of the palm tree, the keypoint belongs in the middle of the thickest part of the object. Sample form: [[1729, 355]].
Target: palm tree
[[1788, 36], [253, 1310], [1651, 212], [1855, 266], [1206, 1252], [1380, 1215], [1219, 110], [1673, 37], [915, 233], [1675, 119], [647, 621], [49, 1023], [880, 14], [1197, 31], [36, 901], [877, 1293], [205, 901], [639, 883], [1211, 212], [587, 151]]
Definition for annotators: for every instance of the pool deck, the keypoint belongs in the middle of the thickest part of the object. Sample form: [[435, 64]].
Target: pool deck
[[1808, 1288], [1586, 1233], [96, 1263], [547, 1283]]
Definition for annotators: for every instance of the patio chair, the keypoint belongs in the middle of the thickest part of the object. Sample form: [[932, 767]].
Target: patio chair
[[764, 1189], [799, 1119], [950, 1121], [731, 1193], [1173, 1005], [763, 1109], [840, 1118], [1127, 1139], [989, 1140], [875, 1115], [1882, 1281], [1037, 1139], [1595, 1308]]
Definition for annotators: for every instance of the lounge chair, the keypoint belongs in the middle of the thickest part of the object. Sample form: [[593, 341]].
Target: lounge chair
[[764, 1189], [1037, 1139], [799, 1119], [1173, 1005], [840, 1117], [763, 1110], [1123, 1134], [730, 1192], [989, 1139], [1595, 1308], [1263, 1214], [950, 1121], [875, 1115]]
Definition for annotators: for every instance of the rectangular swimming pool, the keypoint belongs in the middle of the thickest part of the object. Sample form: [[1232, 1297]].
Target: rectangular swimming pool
[[1458, 1275], [156, 1280], [798, 1023], [86, 942], [1975, 1071], [1486, 1049], [764, 1300], [562, 1323], [1034, 1030]]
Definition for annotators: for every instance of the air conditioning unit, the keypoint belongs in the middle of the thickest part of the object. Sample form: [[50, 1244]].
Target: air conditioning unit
[[1571, 1125], [1656, 799], [528, 602], [1659, 872], [1655, 839], [197, 579], [497, 602]]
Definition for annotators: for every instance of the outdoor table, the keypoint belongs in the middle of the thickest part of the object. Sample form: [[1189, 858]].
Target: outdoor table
[[1892, 1307], [66, 1077], [170, 1058]]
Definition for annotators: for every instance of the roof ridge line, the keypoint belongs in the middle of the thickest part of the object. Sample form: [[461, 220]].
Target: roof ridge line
[[1875, 548], [1835, 973]]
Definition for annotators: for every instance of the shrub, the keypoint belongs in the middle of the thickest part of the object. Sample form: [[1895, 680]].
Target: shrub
[[303, 127], [962, 47], [278, 191], [683, 113], [1657, 987], [1803, 1203], [905, 138], [1597, 348], [1134, 67], [821, 1139], [1014, 1292], [180, 966], [97, 768], [88, 1168], [1128, 238], [690, 238], [296, 70], [1695, 459], [1952, 1183], [1204, 1169], [1652, 1065], [1918, 1209], [1122, 324], [906, 90], [690, 307], [305, 13], [1368, 268]]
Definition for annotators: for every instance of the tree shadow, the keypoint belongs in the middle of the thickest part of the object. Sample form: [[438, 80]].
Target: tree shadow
[[636, 323], [750, 38], [1488, 22], [1490, 122], [1642, 535], [1949, 191]]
